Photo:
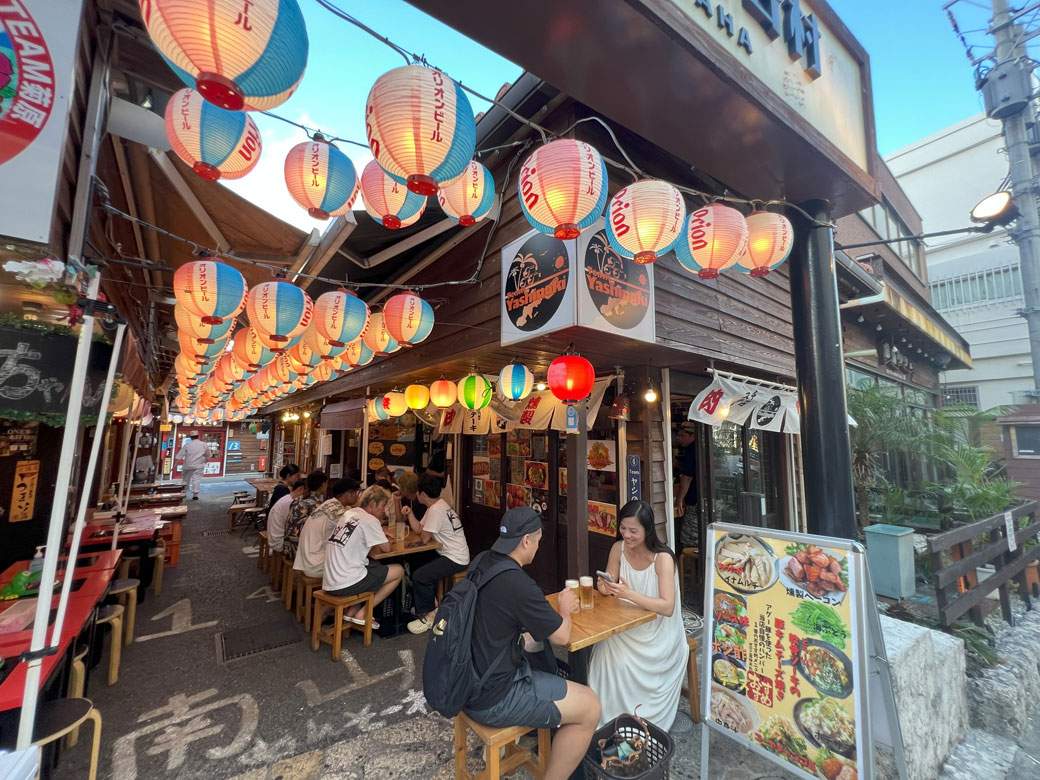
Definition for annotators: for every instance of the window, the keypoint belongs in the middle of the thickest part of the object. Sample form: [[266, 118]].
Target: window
[[858, 380], [977, 288], [1025, 440], [960, 394]]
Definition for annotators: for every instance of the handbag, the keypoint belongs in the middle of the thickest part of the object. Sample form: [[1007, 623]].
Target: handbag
[[625, 755]]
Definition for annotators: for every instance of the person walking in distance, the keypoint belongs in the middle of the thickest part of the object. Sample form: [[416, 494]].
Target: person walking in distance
[[194, 454]]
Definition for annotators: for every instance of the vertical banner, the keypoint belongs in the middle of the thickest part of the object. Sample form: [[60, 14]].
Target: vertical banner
[[784, 667], [23, 493], [633, 479]]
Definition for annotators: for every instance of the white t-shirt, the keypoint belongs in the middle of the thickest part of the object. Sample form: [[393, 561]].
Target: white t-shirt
[[276, 518], [441, 521], [310, 555], [346, 553]]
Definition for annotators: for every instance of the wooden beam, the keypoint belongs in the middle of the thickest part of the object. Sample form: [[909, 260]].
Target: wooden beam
[[331, 240], [404, 245], [193, 203], [131, 203]]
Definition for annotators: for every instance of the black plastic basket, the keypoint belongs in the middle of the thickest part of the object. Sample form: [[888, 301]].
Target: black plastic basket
[[658, 749]]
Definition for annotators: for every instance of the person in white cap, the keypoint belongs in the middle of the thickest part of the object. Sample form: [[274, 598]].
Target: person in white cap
[[194, 454]]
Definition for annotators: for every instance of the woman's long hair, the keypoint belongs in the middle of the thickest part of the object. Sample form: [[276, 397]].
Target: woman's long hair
[[644, 513]]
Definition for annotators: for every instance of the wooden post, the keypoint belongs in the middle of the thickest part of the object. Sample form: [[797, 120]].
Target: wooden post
[[578, 498]]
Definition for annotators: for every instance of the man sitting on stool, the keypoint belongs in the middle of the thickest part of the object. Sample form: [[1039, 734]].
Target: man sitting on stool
[[441, 524]]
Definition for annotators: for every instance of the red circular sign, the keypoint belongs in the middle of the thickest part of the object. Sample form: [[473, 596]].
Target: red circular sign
[[27, 89]]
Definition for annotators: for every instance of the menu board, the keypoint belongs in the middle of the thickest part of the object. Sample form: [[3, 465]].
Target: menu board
[[786, 651]]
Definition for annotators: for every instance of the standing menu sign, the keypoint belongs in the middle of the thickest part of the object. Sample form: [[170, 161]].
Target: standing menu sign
[[793, 641]]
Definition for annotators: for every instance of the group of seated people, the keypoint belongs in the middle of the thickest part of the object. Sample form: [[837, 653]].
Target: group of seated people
[[645, 665], [330, 531]]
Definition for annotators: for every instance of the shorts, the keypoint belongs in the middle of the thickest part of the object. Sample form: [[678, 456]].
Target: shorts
[[375, 577], [529, 702]]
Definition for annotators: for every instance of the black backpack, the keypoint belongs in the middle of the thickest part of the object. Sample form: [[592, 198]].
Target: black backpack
[[449, 679]]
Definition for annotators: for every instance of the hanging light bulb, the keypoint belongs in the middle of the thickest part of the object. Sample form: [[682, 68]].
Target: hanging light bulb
[[539, 386], [650, 396]]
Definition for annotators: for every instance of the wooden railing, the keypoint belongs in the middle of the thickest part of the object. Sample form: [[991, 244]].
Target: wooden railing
[[957, 586]]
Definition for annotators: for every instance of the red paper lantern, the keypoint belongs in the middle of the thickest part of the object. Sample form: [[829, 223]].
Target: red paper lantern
[[443, 393], [571, 378]]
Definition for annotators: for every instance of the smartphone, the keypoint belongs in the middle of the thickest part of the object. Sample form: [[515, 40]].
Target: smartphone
[[605, 576]]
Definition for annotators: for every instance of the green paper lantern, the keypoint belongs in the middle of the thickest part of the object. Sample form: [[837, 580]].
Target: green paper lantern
[[474, 392]]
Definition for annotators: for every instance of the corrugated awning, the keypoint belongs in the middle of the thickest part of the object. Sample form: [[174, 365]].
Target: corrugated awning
[[345, 415]]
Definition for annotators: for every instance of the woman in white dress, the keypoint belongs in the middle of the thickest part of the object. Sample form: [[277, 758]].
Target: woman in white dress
[[645, 665]]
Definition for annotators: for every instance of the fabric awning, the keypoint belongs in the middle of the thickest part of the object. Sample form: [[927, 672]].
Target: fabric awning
[[346, 415]]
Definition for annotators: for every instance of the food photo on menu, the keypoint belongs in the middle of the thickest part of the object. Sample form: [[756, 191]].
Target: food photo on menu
[[781, 656]]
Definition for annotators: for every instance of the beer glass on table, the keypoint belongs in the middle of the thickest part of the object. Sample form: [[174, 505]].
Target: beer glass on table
[[585, 584], [401, 531], [572, 585]]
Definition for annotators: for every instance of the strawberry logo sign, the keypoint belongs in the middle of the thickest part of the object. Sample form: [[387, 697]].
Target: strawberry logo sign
[[26, 79]]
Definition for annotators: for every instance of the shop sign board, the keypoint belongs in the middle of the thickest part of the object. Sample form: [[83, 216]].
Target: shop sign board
[[795, 668], [549, 284], [23, 493], [633, 478], [790, 49], [37, 67]]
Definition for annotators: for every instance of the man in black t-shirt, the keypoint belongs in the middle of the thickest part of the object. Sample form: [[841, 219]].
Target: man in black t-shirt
[[510, 609], [686, 467]]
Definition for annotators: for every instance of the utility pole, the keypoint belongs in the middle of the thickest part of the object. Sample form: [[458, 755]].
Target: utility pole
[[1007, 90]]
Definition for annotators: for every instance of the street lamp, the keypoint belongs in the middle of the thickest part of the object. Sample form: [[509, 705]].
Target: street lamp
[[995, 209]]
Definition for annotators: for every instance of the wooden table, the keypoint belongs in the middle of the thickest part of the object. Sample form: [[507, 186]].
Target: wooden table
[[263, 486], [86, 563], [158, 487], [164, 512], [147, 500], [399, 549], [609, 616]]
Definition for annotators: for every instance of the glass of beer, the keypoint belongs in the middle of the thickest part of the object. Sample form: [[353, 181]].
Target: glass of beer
[[402, 531], [586, 592], [572, 585]]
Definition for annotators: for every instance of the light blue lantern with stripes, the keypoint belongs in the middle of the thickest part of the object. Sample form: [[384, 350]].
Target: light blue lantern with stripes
[[515, 381]]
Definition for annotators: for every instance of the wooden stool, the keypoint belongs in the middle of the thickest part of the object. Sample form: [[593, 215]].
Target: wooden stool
[[495, 764], [288, 576], [55, 719], [263, 553], [241, 497], [693, 684], [158, 556], [234, 512], [446, 584], [276, 559], [688, 553], [77, 685], [305, 587], [113, 615], [124, 567], [251, 520], [334, 635], [127, 588]]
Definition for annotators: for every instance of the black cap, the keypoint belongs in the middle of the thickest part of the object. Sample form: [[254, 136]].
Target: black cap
[[516, 523]]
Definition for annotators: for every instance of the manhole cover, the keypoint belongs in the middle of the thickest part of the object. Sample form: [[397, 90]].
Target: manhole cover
[[243, 642], [218, 532]]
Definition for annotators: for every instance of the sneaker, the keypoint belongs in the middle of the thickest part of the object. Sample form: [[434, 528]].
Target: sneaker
[[420, 626], [195, 497]]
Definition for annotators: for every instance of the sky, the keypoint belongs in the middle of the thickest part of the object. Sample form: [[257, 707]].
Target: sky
[[922, 80]]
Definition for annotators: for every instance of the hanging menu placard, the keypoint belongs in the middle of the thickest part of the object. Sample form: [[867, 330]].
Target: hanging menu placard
[[785, 664]]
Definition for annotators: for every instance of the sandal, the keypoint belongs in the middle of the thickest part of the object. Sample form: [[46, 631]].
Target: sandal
[[361, 621]]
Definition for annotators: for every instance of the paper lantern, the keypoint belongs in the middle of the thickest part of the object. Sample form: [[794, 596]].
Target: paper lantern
[[474, 392], [228, 371], [303, 357], [239, 55], [248, 351], [201, 351], [770, 237], [340, 316], [388, 202], [420, 127], [469, 198], [321, 178], [279, 372], [515, 381], [563, 187], [378, 338], [715, 238], [320, 345], [377, 410], [279, 311], [443, 393], [645, 220], [395, 404], [358, 353], [214, 142], [417, 396], [322, 372], [193, 324], [408, 318], [570, 378], [210, 290]]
